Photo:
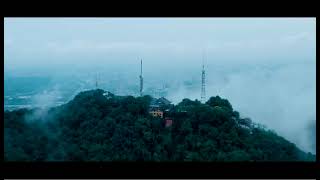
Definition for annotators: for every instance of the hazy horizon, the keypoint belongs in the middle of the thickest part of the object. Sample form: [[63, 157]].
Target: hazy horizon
[[265, 67]]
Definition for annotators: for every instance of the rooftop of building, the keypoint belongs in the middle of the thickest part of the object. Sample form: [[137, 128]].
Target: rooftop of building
[[159, 101]]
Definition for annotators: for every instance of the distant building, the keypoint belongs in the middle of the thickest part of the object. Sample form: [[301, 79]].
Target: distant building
[[168, 122], [107, 94], [164, 101], [160, 108], [158, 103], [156, 113]]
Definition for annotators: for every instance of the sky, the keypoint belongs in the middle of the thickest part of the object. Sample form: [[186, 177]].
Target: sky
[[53, 42], [264, 66]]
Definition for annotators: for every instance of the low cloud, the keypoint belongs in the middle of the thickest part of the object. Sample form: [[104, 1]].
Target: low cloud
[[282, 98]]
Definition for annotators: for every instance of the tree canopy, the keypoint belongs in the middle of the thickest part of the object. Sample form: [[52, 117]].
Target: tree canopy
[[98, 127]]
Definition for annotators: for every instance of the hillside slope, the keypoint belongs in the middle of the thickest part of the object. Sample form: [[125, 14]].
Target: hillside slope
[[99, 126]]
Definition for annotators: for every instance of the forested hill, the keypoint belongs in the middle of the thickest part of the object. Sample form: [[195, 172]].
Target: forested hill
[[99, 126]]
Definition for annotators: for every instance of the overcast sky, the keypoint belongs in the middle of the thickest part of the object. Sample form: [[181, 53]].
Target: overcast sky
[[64, 41], [281, 97]]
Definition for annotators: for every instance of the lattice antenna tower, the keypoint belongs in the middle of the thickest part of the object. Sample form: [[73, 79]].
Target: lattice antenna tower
[[203, 81], [141, 79], [97, 81]]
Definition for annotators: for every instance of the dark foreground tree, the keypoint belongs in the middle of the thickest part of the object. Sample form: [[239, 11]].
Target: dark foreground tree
[[99, 127]]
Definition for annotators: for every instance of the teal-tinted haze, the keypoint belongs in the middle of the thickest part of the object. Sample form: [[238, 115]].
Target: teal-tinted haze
[[52, 42], [264, 66]]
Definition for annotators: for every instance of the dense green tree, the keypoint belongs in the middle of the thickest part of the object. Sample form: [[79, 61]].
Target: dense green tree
[[99, 126]]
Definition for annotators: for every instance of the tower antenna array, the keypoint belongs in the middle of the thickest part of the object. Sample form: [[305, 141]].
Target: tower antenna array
[[203, 82], [97, 81], [141, 79]]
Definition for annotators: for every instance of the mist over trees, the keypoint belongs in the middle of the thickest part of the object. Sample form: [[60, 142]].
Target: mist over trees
[[98, 127], [264, 66]]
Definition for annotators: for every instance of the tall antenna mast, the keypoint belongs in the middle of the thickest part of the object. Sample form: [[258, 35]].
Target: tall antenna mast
[[97, 81], [203, 82], [141, 79]]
